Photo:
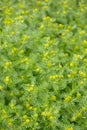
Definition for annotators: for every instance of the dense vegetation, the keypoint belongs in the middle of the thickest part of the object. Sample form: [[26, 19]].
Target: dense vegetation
[[43, 65]]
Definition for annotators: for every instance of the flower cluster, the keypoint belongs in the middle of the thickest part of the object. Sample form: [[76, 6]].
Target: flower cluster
[[43, 65]]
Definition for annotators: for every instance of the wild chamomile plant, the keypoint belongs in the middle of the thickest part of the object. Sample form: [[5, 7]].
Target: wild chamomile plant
[[43, 65]]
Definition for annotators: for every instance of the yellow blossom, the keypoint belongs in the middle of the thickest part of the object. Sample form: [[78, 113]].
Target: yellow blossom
[[13, 33], [27, 105], [8, 11], [1, 87], [14, 50], [79, 114], [47, 18], [79, 56], [39, 3], [64, 12], [4, 7], [22, 77], [47, 1], [84, 79], [46, 45], [84, 109], [74, 73], [68, 98], [85, 42], [60, 66], [43, 114], [73, 118], [63, 35], [30, 107], [42, 27], [26, 60], [21, 51], [82, 9], [81, 82], [71, 64], [12, 106], [11, 94], [10, 123], [53, 77], [7, 79], [7, 64], [30, 89], [45, 54], [35, 115], [51, 117], [82, 32], [86, 50], [27, 120], [49, 114], [8, 21], [73, 40], [78, 95], [36, 123], [28, 98], [61, 25], [35, 109], [49, 64], [38, 70], [52, 52], [55, 26], [24, 39], [77, 47], [68, 29], [45, 7], [69, 76], [70, 128], [65, 2], [20, 5], [54, 98], [25, 12], [85, 60], [36, 10], [25, 117], [5, 44]]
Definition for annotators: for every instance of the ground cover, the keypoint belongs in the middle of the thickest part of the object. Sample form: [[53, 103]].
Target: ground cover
[[43, 65]]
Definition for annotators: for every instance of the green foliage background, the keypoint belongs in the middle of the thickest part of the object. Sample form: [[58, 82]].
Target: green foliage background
[[43, 65]]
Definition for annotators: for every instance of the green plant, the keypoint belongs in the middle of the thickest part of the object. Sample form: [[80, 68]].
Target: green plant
[[43, 65]]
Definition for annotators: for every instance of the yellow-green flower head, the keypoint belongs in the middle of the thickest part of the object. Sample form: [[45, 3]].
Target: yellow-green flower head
[[54, 98], [20, 5], [8, 21], [7, 79], [70, 128], [7, 64], [1, 87], [68, 98], [39, 3]]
